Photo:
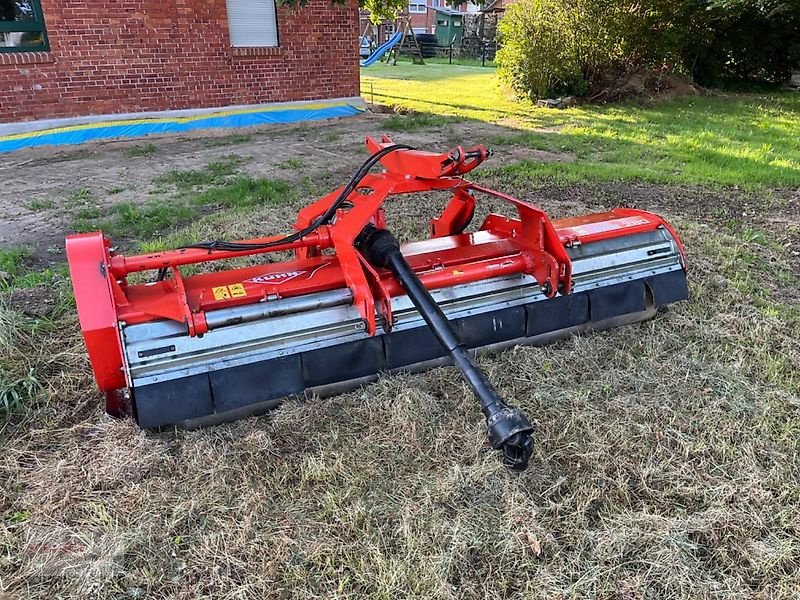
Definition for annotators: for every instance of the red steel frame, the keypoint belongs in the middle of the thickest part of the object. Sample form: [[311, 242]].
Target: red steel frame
[[530, 244]]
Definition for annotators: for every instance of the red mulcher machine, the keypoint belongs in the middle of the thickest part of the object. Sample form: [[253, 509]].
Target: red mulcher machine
[[202, 349]]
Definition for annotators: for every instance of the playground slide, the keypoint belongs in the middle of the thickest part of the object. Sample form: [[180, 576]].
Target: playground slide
[[381, 50]]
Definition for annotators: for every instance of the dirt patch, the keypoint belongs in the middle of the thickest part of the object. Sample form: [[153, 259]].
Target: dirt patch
[[653, 84], [39, 301], [45, 190]]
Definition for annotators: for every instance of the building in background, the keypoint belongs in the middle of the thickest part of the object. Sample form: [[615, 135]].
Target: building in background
[[422, 14], [71, 59], [496, 6], [448, 25]]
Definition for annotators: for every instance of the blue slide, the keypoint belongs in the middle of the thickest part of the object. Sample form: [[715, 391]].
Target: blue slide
[[382, 49]]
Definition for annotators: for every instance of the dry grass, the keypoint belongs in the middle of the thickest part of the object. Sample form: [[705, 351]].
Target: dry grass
[[666, 464]]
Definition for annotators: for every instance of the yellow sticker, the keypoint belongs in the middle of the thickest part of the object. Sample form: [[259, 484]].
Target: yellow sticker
[[221, 293], [237, 290]]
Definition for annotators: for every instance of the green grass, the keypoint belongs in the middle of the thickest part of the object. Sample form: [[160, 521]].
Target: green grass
[[12, 260], [37, 204], [228, 140], [291, 164], [459, 61], [745, 140], [79, 197], [212, 174], [415, 121], [128, 219], [17, 391], [16, 271], [331, 136], [164, 215], [146, 150]]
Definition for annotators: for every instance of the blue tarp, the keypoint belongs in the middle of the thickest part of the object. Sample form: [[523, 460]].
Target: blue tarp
[[243, 117]]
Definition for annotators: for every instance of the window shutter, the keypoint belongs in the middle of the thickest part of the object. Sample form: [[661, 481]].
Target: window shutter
[[252, 23]]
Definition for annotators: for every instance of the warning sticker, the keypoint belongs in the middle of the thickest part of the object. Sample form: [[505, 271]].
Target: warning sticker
[[237, 290], [226, 292], [221, 293]]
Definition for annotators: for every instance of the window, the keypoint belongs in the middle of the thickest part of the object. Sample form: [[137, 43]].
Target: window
[[441, 23], [457, 23], [22, 26], [252, 23], [417, 8]]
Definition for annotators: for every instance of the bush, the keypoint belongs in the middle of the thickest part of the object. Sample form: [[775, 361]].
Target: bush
[[748, 40], [548, 45], [557, 47]]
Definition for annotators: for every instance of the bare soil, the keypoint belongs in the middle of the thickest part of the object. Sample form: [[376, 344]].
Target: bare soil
[[44, 187]]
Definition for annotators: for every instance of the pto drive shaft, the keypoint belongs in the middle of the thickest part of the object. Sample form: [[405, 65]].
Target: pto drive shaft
[[508, 428]]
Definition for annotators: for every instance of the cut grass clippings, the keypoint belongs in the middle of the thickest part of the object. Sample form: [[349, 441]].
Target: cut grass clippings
[[664, 466]]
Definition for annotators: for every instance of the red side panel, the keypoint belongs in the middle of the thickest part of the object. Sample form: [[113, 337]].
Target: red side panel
[[89, 269]]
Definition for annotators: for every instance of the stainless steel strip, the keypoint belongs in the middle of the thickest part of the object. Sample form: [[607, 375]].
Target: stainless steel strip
[[271, 335], [277, 308]]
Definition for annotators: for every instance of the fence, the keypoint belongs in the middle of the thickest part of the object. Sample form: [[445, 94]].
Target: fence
[[478, 41]]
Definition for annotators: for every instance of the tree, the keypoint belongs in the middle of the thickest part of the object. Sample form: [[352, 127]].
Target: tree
[[552, 47], [381, 9]]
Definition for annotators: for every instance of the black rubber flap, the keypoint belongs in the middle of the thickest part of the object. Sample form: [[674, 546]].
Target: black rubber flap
[[192, 397], [492, 327], [411, 346], [557, 313], [171, 401], [617, 300], [668, 287], [343, 362], [248, 384]]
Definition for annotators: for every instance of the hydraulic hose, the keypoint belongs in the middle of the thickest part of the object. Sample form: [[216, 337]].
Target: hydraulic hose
[[507, 427]]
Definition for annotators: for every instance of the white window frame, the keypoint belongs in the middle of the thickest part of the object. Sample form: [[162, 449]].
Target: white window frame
[[421, 7], [253, 23]]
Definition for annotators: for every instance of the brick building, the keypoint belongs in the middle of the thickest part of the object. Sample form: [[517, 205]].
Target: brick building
[[422, 14], [69, 58]]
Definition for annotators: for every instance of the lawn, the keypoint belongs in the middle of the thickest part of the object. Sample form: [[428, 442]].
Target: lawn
[[748, 141], [666, 458]]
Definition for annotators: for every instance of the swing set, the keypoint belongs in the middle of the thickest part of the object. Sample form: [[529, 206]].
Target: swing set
[[390, 49]]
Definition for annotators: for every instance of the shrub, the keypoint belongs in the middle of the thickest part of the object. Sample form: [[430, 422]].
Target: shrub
[[548, 45], [556, 47], [748, 40]]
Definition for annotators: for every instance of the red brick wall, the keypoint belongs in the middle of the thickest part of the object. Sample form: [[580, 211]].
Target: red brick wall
[[114, 56]]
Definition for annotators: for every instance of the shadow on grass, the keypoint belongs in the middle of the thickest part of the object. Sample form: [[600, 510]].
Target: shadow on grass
[[747, 142], [490, 112], [603, 158]]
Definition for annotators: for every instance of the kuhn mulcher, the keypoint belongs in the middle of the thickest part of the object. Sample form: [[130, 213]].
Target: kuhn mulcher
[[200, 349]]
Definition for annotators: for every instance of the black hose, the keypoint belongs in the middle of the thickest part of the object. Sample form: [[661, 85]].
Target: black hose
[[508, 428], [324, 218]]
